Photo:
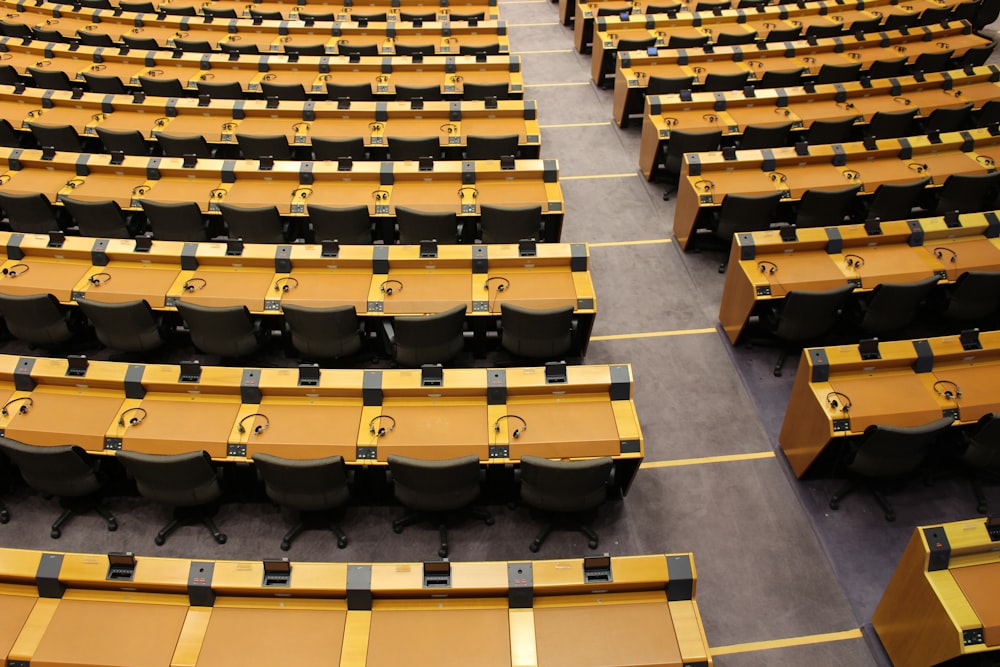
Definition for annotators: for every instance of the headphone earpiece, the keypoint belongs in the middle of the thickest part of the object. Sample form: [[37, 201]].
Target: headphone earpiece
[[23, 409], [516, 434], [381, 431]]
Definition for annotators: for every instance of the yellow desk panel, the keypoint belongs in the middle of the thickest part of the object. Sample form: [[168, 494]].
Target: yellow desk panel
[[230, 286], [978, 384], [564, 428], [327, 289], [306, 429], [439, 634], [132, 283], [900, 400], [530, 289], [447, 429], [176, 426], [14, 610], [981, 584], [425, 293], [65, 416], [41, 276]]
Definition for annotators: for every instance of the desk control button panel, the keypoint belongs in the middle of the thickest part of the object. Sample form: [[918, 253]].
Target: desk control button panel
[[480, 306], [950, 412], [236, 450], [855, 283], [381, 209], [366, 453], [499, 452], [763, 290], [113, 444], [972, 637], [375, 306], [272, 304], [841, 425], [468, 208]]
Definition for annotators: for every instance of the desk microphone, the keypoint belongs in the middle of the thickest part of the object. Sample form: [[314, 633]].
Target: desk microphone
[[189, 284], [259, 428], [951, 394], [389, 290], [516, 433], [26, 403], [381, 429], [14, 274], [281, 284], [96, 281], [133, 421]]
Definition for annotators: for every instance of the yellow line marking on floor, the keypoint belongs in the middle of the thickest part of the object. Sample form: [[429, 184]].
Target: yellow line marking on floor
[[609, 244], [531, 25], [786, 643], [654, 334], [531, 53], [580, 178], [557, 84], [709, 459], [561, 125]]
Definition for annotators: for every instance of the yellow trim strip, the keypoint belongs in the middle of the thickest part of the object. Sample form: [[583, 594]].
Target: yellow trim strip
[[557, 84], [561, 125], [653, 334], [580, 178], [708, 459], [786, 643], [610, 244]]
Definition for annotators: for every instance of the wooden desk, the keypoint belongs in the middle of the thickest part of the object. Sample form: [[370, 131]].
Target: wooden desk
[[941, 602], [665, 113], [895, 390], [16, 605], [291, 8], [792, 174], [812, 263]]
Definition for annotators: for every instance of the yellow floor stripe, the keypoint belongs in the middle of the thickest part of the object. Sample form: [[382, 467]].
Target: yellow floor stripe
[[609, 244], [708, 459], [654, 334], [531, 53], [581, 178], [786, 643], [556, 85], [562, 125]]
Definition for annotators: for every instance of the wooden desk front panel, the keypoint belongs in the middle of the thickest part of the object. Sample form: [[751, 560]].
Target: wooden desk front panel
[[176, 424], [65, 416], [573, 424], [305, 429], [329, 288], [44, 276], [129, 281], [980, 584], [434, 429], [16, 603]]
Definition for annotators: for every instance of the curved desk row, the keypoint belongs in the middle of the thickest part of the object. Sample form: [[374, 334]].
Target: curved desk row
[[342, 10], [764, 267], [734, 111], [941, 602], [313, 73], [461, 187], [267, 35], [707, 178], [838, 393], [561, 411], [221, 120], [623, 610], [635, 68]]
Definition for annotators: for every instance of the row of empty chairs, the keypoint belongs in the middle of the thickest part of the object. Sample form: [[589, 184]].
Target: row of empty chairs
[[393, 9]]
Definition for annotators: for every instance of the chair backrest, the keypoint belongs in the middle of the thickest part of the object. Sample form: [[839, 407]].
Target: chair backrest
[[635, 44], [662, 9], [983, 450], [823, 208], [333, 149], [716, 82], [974, 296], [256, 146], [59, 137], [746, 213], [782, 78], [504, 224], [411, 49], [178, 480], [226, 13], [227, 331], [309, 16], [735, 39], [948, 119], [413, 148], [805, 315], [976, 56], [178, 146], [253, 224], [824, 31], [145, 44], [306, 49], [883, 69], [381, 17], [266, 15], [429, 339], [100, 219], [416, 226], [178, 11], [138, 7], [829, 73], [109, 85], [456, 16], [181, 221], [892, 124], [933, 62], [784, 34], [426, 93], [323, 333], [765, 136], [358, 92], [435, 486], [537, 333], [193, 45], [688, 142], [129, 142], [347, 225], [29, 213], [830, 131], [51, 79], [126, 325], [895, 201], [417, 16], [358, 49], [305, 485], [686, 41], [564, 486], [228, 90], [233, 47], [865, 26], [893, 451], [490, 148], [37, 319], [491, 49], [662, 85], [59, 470], [893, 306], [161, 87], [284, 91], [480, 91], [968, 193]]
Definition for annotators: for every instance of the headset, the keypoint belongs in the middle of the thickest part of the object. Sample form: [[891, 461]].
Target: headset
[[905, 101], [189, 284], [952, 394], [26, 403], [139, 190], [783, 111], [97, 67], [844, 404], [671, 120], [516, 433], [450, 128], [302, 192], [281, 284], [381, 429], [269, 77], [846, 106], [710, 118], [852, 175], [74, 183], [375, 126], [855, 261], [766, 267], [380, 195], [301, 127], [918, 167], [206, 76], [389, 290], [12, 273], [985, 161], [133, 421], [941, 250], [504, 283], [259, 428], [777, 177], [96, 281], [462, 190]]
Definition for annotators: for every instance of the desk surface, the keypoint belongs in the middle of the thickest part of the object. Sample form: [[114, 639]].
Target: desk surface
[[16, 603], [980, 584]]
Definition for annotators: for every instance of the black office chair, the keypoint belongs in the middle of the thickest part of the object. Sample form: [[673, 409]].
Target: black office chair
[[686, 41], [141, 44], [438, 491], [256, 146], [826, 208], [109, 85], [716, 82], [973, 298], [865, 26], [824, 31], [887, 452], [359, 49], [884, 69], [490, 148], [948, 119], [412, 49], [988, 114], [829, 73], [193, 45], [892, 124], [890, 307], [426, 93], [323, 333], [686, 142], [49, 79], [228, 90], [405, 148], [137, 7], [9, 76], [475, 16], [18, 30], [932, 62], [830, 131], [966, 11], [8, 137], [317, 18], [663, 85], [64, 471], [784, 34], [536, 333], [899, 21], [976, 56], [662, 9], [39, 320], [174, 145], [803, 316], [99, 219], [764, 136], [480, 91], [935, 15], [895, 201], [59, 137], [306, 49], [129, 142], [180, 221], [416, 226], [744, 213], [129, 326], [156, 87], [225, 13], [178, 11], [981, 456], [253, 224], [284, 91], [427, 339], [986, 13], [356, 92], [491, 49], [567, 491], [379, 17], [29, 213], [334, 149], [267, 15], [503, 224], [782, 78], [417, 16], [188, 482], [712, 5], [227, 331], [967, 193], [346, 225], [313, 487], [735, 38]]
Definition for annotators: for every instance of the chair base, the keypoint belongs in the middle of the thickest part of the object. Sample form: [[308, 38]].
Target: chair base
[[442, 519], [4, 513], [571, 523], [185, 516], [75, 507], [313, 521], [851, 485], [779, 364]]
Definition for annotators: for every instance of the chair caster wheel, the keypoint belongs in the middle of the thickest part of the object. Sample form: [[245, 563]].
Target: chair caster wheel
[[981, 508], [4, 517], [666, 197], [890, 516], [535, 547], [112, 526], [397, 529], [777, 373], [443, 553], [592, 544], [490, 521], [835, 504], [220, 538], [342, 542], [158, 540], [285, 546], [55, 534]]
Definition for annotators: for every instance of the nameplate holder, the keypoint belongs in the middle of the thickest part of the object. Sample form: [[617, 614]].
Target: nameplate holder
[[437, 574], [77, 365], [190, 372], [121, 566], [970, 340], [555, 372], [431, 375], [277, 573], [308, 375], [597, 569]]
